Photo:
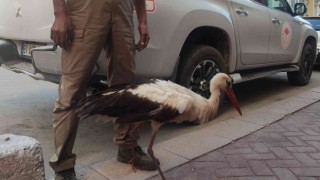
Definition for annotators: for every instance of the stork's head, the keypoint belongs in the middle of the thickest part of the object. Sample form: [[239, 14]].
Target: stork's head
[[224, 82]]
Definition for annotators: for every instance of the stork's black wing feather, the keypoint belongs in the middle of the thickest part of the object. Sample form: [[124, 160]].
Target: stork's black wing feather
[[126, 106], [118, 103], [139, 116]]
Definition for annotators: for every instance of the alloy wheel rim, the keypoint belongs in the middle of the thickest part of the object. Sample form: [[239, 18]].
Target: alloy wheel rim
[[201, 76]]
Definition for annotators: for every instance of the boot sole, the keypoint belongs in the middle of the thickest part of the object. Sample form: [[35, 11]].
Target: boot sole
[[138, 166]]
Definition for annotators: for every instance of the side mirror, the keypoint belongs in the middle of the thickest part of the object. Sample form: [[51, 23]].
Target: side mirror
[[300, 9]]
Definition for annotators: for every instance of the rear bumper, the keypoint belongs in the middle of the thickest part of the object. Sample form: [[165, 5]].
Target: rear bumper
[[11, 60], [47, 59]]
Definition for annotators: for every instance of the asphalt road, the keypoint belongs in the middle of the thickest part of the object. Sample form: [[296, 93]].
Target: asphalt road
[[26, 106]]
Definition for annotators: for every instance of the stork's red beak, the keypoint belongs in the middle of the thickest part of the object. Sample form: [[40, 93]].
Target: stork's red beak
[[233, 99]]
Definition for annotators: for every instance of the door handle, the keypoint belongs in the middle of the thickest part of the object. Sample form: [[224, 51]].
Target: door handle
[[241, 11], [276, 21]]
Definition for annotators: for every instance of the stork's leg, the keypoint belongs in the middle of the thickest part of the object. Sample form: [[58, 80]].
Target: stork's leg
[[135, 128], [150, 151]]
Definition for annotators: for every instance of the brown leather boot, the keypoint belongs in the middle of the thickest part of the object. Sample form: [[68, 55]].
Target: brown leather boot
[[143, 161]]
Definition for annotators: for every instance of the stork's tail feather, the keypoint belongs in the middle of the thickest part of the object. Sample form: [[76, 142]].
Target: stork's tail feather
[[98, 103]]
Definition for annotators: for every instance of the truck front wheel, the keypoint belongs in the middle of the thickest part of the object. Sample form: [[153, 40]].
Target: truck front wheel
[[198, 66], [307, 59]]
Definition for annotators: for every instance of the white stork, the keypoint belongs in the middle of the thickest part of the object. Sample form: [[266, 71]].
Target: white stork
[[161, 102]]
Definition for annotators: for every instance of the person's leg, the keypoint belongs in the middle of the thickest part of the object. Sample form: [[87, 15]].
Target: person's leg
[[120, 50], [77, 65], [121, 46], [65, 121]]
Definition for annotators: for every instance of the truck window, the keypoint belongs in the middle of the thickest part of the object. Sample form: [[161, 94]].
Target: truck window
[[281, 5], [263, 2]]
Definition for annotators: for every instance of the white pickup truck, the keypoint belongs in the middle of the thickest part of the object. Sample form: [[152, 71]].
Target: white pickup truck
[[191, 40]]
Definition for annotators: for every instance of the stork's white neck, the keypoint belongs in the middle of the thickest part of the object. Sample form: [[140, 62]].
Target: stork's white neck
[[215, 95], [215, 99], [211, 109]]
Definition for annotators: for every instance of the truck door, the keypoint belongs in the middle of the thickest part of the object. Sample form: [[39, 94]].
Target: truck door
[[252, 20], [284, 34]]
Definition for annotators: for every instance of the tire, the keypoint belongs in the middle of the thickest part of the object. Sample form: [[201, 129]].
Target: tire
[[307, 60], [198, 66]]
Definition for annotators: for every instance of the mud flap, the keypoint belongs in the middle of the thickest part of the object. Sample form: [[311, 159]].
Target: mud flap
[[8, 51]]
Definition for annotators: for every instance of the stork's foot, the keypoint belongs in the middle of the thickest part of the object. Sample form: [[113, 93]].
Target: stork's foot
[[138, 160]]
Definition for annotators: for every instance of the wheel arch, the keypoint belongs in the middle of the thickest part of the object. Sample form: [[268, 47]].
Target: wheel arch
[[312, 40], [211, 36], [206, 35], [308, 40], [308, 36]]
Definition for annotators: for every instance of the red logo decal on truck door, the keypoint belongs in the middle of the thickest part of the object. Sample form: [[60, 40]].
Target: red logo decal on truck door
[[286, 35], [151, 6]]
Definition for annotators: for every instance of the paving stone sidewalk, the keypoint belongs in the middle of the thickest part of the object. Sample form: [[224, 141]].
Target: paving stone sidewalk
[[288, 149]]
